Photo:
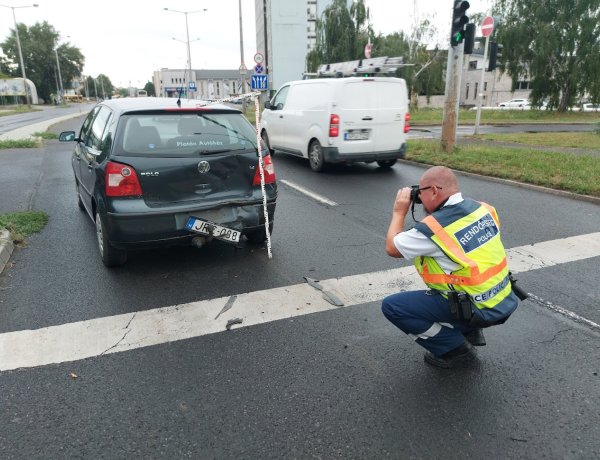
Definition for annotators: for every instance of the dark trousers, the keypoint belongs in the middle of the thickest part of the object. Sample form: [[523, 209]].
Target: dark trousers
[[425, 316]]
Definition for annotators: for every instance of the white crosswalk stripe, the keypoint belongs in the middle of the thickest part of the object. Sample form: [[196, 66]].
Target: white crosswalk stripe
[[84, 339]]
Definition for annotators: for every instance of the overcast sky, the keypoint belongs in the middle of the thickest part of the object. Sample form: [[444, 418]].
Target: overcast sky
[[127, 40]]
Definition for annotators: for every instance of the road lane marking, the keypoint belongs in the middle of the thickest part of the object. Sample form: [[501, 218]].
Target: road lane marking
[[114, 334], [305, 191]]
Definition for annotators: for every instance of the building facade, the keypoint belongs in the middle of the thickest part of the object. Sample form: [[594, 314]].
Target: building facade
[[291, 32], [209, 83]]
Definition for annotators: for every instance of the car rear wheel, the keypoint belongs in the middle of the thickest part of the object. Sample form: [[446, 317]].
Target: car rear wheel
[[259, 236], [110, 255], [315, 157], [265, 138], [386, 164]]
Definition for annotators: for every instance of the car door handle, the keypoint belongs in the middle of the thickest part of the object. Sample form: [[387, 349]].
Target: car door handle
[[367, 118], [280, 116]]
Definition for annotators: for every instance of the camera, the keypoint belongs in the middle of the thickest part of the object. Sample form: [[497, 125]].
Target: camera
[[414, 194]]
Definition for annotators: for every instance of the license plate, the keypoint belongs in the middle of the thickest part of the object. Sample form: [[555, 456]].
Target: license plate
[[356, 136], [205, 227]]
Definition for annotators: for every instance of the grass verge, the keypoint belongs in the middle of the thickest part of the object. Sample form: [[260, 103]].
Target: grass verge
[[586, 140], [560, 171], [20, 144], [22, 224]]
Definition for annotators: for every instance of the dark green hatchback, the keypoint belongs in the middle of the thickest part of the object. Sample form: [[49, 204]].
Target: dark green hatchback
[[154, 172]]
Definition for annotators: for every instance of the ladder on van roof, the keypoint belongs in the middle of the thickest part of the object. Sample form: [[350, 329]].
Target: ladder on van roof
[[379, 66]]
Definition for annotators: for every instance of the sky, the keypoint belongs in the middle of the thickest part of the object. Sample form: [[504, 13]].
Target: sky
[[129, 39]]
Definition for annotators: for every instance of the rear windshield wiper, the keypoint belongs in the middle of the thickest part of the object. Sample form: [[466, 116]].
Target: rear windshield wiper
[[210, 152]]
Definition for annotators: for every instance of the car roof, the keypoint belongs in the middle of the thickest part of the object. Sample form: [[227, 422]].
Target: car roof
[[132, 104]]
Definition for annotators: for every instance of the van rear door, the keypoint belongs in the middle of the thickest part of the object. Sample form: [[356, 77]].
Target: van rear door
[[356, 107], [392, 103]]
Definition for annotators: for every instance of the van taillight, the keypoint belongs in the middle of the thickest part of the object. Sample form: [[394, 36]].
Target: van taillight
[[334, 125], [121, 180], [406, 124], [268, 170]]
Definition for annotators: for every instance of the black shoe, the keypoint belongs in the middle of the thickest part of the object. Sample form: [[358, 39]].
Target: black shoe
[[475, 337], [454, 358]]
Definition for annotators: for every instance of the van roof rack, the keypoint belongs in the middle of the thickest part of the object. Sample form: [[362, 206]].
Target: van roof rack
[[379, 66]]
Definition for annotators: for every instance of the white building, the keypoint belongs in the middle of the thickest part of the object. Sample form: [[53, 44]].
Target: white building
[[291, 34], [209, 83]]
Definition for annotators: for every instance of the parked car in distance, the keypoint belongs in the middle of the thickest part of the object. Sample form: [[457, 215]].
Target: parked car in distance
[[515, 104], [591, 107], [339, 120], [156, 172]]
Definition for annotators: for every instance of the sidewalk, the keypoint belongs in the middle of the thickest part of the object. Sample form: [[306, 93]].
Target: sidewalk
[[25, 132]]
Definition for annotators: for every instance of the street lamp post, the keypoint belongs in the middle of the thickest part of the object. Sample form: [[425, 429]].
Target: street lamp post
[[62, 89], [190, 67], [27, 95], [187, 31]]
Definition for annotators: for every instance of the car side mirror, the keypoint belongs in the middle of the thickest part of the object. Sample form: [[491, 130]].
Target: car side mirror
[[66, 136], [280, 106], [267, 104]]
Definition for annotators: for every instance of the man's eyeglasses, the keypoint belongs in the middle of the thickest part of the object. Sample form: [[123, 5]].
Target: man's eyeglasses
[[416, 191]]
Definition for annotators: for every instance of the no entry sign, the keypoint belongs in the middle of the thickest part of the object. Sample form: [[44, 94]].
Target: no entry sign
[[487, 26]]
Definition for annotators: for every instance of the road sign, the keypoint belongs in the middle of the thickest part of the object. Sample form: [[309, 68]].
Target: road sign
[[487, 26], [259, 58], [192, 86], [260, 82], [243, 69], [258, 68]]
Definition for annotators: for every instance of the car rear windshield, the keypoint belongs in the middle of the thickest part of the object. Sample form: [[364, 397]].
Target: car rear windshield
[[182, 134]]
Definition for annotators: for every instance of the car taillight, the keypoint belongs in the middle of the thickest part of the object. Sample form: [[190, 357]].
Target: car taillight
[[121, 180], [334, 125], [406, 124], [268, 170]]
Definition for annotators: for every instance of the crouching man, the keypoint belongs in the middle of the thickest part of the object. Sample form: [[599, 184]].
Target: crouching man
[[458, 252]]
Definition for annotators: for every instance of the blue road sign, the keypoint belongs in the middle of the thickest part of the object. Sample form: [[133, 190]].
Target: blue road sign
[[260, 82], [192, 85], [258, 68]]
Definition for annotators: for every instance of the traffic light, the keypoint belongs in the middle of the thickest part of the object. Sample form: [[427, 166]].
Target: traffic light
[[459, 20], [495, 54], [469, 38]]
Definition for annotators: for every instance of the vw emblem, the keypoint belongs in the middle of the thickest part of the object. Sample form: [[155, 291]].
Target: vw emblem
[[203, 167]]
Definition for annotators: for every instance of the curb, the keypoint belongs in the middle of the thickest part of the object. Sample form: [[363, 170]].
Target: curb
[[6, 248]]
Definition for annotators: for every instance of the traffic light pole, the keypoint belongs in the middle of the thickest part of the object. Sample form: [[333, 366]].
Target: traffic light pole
[[478, 117], [453, 78]]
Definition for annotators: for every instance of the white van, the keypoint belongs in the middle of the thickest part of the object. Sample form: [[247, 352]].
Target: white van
[[339, 120]]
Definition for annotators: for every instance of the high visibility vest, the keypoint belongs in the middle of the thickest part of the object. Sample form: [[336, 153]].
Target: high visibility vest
[[469, 234]]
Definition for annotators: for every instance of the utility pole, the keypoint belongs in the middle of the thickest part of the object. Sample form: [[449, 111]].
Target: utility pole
[[243, 69], [269, 83], [453, 73]]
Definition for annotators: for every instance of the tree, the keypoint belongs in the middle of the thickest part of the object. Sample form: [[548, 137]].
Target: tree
[[38, 44], [556, 44], [336, 33], [149, 87]]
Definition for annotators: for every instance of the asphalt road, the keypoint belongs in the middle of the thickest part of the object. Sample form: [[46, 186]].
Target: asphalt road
[[341, 383]]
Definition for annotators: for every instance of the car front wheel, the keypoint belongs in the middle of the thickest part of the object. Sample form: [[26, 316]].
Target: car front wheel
[[110, 256]]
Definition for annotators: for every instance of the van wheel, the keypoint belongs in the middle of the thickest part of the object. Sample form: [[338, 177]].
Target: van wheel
[[315, 157], [110, 255], [265, 138], [386, 164]]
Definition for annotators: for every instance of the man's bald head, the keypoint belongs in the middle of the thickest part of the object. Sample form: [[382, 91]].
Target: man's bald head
[[443, 184]]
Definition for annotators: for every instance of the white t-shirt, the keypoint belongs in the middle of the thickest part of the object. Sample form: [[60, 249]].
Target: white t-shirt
[[412, 243]]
